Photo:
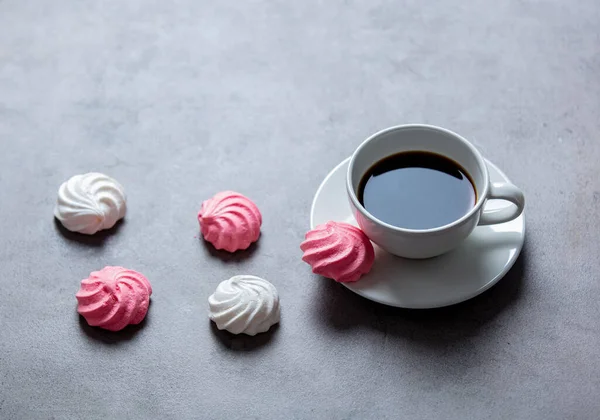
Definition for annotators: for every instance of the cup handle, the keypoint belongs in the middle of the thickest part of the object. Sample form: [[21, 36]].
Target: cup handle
[[503, 191]]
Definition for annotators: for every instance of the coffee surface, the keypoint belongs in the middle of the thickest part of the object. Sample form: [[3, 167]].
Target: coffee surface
[[417, 190]]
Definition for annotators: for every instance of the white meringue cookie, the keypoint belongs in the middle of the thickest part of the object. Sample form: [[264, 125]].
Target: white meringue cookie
[[90, 202], [244, 304]]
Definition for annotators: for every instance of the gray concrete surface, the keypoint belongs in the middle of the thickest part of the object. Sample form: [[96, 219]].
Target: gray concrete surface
[[180, 99]]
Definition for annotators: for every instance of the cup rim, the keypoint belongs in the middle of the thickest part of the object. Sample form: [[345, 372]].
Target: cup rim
[[480, 161]]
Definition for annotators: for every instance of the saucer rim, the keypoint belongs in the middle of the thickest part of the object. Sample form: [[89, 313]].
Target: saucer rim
[[475, 293]]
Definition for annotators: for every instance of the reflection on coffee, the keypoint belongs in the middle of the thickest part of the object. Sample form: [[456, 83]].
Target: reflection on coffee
[[417, 190]]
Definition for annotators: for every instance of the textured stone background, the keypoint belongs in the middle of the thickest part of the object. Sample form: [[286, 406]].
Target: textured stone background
[[180, 99]]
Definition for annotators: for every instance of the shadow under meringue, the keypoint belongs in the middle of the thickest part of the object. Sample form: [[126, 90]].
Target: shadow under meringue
[[230, 257], [113, 337], [244, 342], [96, 240]]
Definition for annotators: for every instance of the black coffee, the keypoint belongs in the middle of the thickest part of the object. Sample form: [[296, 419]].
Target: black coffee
[[417, 190]]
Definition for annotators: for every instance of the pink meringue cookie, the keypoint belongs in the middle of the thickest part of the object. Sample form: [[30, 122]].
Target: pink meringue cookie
[[113, 298], [338, 251], [230, 221]]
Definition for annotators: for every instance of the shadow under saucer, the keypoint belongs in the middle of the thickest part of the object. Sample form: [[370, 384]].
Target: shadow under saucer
[[339, 309]]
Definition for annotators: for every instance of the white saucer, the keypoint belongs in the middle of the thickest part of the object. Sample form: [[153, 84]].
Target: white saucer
[[483, 259]]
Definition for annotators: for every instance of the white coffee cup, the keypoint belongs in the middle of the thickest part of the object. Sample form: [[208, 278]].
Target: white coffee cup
[[426, 243]]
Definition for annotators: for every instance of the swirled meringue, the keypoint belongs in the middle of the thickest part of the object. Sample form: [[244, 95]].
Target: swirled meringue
[[338, 251], [244, 304], [230, 221], [90, 202], [113, 298]]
